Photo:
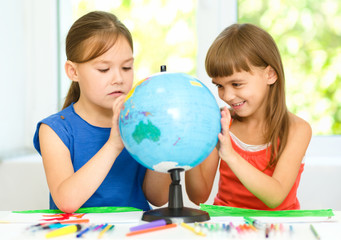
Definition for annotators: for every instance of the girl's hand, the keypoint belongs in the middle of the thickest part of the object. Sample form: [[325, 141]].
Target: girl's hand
[[225, 147], [115, 136]]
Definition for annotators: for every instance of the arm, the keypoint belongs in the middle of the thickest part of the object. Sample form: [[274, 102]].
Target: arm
[[69, 189], [271, 190], [156, 187], [199, 180]]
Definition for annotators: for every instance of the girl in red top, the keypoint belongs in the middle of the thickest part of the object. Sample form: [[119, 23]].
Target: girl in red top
[[262, 151]]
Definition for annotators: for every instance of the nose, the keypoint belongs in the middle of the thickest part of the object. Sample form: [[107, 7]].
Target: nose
[[117, 78], [227, 94]]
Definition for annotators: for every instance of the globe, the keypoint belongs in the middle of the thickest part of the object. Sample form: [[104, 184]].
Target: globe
[[170, 120]]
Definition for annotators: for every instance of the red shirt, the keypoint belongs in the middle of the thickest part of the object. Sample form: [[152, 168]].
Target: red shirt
[[232, 192]]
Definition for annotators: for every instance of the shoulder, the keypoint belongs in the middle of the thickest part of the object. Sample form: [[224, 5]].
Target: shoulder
[[299, 124], [64, 118], [60, 123], [299, 129]]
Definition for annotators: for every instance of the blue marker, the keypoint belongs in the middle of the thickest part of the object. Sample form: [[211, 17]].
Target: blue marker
[[81, 233], [54, 226]]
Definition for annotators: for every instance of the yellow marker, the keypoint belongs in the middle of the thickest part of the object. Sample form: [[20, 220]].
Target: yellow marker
[[193, 229], [105, 230], [64, 231]]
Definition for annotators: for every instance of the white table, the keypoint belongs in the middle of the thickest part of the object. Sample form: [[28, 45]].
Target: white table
[[327, 230]]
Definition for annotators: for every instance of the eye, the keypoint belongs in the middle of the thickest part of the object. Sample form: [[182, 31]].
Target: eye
[[236, 84], [103, 70], [218, 85], [126, 68]]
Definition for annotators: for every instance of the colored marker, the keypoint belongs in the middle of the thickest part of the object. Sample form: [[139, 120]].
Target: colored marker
[[254, 222], [192, 229], [73, 221], [151, 224], [98, 227], [53, 226], [105, 230], [64, 231], [291, 229], [81, 233], [38, 225], [267, 231], [151, 229], [317, 236]]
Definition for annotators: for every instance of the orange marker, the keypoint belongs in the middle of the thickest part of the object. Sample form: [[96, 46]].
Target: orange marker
[[151, 229], [72, 221]]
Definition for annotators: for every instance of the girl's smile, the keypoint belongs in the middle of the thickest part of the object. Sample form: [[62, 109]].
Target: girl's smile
[[238, 105]]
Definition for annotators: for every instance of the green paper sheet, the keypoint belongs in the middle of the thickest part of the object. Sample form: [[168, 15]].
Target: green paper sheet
[[223, 211], [86, 210]]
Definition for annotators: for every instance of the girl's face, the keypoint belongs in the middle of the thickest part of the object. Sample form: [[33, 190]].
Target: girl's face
[[246, 92], [108, 76]]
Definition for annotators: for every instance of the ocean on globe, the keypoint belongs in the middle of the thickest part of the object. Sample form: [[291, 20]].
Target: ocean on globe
[[170, 120]]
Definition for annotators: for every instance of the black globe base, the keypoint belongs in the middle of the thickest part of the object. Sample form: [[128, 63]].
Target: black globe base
[[175, 211], [184, 214]]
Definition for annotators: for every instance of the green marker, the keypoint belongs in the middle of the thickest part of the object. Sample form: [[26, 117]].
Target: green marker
[[254, 222]]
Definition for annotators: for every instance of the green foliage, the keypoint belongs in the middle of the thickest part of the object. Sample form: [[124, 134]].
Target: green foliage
[[308, 34], [163, 32]]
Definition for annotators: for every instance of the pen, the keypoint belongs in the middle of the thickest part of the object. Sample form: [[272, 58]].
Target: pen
[[151, 224], [317, 236], [63, 231], [151, 229], [192, 229]]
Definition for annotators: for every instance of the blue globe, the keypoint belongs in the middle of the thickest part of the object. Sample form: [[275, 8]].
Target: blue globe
[[170, 120]]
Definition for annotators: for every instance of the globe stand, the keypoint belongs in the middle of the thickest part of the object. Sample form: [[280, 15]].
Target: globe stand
[[175, 211]]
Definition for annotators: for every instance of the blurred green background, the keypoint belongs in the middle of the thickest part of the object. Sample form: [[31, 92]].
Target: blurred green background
[[307, 32]]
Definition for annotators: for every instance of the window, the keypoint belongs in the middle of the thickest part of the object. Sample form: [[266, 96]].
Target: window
[[34, 83], [308, 35], [173, 33], [163, 32]]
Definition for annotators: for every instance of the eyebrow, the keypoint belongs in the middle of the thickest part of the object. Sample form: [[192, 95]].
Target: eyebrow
[[214, 82], [234, 80], [107, 62]]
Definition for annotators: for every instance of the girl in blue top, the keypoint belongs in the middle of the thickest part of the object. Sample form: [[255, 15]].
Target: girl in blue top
[[85, 161]]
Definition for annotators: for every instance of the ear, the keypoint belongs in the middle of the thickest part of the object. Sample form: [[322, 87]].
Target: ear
[[271, 75], [71, 71]]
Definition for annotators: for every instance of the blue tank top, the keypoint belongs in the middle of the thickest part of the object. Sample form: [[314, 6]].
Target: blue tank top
[[123, 184]]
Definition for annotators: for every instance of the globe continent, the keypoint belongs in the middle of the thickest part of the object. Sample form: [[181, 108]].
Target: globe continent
[[170, 120]]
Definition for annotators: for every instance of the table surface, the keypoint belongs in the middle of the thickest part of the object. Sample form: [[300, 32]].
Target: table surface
[[326, 228]]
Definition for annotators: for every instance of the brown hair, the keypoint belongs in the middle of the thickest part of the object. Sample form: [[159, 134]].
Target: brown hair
[[89, 37], [235, 49]]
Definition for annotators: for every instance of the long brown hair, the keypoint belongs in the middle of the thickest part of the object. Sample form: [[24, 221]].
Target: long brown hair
[[89, 37], [235, 49]]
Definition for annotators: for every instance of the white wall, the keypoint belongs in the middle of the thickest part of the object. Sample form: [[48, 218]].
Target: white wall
[[211, 20], [28, 70], [13, 70]]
